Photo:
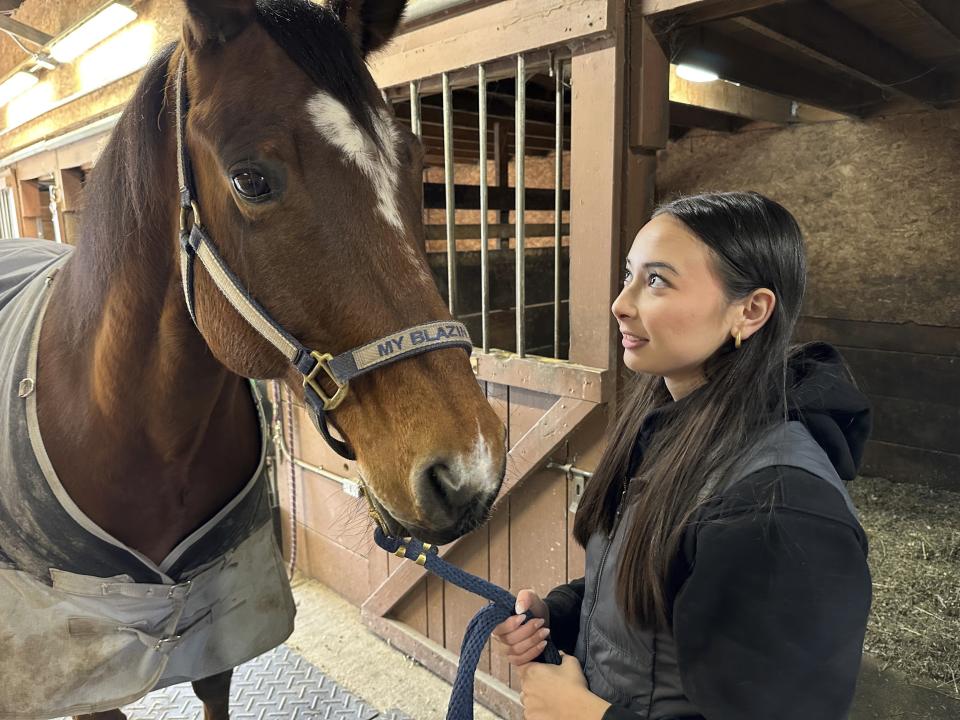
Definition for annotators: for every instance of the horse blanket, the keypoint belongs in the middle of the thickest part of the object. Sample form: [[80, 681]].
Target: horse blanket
[[87, 623]]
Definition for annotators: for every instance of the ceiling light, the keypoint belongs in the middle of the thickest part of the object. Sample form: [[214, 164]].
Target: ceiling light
[[16, 84], [695, 74], [92, 31]]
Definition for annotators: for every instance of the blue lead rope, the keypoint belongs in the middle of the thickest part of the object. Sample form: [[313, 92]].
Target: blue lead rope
[[502, 606]]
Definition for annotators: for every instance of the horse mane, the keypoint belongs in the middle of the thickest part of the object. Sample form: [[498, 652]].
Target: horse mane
[[123, 192]]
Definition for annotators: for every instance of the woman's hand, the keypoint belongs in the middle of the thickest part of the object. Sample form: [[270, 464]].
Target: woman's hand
[[524, 641], [558, 692]]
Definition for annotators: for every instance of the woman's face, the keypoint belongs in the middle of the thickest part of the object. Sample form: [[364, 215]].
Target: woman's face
[[672, 311]]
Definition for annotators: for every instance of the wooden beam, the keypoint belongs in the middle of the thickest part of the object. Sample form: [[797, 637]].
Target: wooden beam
[[468, 118], [944, 15], [817, 31], [544, 375], [649, 87], [467, 197], [489, 33], [527, 454], [468, 231], [24, 31], [691, 116], [698, 11], [741, 101], [735, 61]]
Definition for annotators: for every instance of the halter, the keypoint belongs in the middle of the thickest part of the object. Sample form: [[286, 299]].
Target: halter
[[313, 366]]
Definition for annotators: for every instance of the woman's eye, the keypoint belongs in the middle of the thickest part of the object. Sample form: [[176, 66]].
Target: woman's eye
[[657, 281], [627, 277], [251, 185]]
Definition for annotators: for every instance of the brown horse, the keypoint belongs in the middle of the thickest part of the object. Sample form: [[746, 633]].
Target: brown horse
[[310, 191]]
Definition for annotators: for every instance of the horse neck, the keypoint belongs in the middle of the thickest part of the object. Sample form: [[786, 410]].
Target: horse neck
[[135, 367]]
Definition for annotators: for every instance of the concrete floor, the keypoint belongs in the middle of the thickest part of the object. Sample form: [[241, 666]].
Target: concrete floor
[[330, 634]]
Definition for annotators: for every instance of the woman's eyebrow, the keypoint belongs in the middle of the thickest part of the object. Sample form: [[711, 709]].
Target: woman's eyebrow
[[660, 266]]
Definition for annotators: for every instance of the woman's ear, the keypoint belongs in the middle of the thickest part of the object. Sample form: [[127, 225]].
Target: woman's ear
[[216, 20], [371, 22], [756, 309]]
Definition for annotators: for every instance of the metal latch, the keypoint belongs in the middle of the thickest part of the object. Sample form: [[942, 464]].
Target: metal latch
[[576, 480]]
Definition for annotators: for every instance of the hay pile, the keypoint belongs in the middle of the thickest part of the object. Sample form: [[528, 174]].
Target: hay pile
[[914, 534]]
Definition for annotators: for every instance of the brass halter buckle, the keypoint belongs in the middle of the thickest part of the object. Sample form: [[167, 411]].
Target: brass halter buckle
[[330, 402]]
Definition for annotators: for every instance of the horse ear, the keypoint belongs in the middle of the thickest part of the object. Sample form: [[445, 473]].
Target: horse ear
[[372, 22], [217, 20]]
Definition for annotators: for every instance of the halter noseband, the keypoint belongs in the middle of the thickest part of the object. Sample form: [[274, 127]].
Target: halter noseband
[[195, 244]]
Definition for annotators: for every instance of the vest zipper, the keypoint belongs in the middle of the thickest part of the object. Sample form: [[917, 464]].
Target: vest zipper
[[603, 560]]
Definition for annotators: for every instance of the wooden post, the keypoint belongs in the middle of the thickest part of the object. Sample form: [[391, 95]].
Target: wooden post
[[619, 120], [69, 185], [649, 126], [597, 142]]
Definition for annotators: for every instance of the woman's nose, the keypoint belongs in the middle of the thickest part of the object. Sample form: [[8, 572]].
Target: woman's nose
[[622, 307]]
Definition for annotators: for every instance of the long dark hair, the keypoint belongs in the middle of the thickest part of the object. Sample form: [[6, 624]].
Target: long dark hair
[[755, 243]]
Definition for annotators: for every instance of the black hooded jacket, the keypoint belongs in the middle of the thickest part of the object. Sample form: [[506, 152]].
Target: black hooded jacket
[[769, 624]]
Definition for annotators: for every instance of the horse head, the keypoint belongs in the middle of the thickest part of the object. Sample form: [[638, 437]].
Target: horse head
[[309, 189]]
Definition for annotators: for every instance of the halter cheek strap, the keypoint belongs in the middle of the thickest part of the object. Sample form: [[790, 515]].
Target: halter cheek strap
[[314, 366]]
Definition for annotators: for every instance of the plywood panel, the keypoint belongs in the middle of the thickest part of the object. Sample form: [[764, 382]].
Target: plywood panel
[[436, 623], [584, 449], [538, 535], [526, 408], [336, 567], [459, 605], [499, 528], [412, 609]]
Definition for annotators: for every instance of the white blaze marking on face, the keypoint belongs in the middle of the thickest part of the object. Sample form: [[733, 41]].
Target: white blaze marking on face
[[377, 161]]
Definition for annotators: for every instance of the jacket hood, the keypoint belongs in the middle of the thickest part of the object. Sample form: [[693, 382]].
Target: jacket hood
[[822, 395]]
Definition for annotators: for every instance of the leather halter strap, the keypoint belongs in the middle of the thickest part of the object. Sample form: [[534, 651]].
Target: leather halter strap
[[195, 244]]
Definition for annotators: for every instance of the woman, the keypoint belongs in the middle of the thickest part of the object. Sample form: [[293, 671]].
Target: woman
[[726, 571]]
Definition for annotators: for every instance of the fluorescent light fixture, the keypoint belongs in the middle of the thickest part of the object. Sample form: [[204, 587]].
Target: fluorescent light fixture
[[125, 52], [92, 31], [695, 74], [15, 85]]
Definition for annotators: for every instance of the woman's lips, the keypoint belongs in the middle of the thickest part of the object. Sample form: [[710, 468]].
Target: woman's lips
[[633, 342]]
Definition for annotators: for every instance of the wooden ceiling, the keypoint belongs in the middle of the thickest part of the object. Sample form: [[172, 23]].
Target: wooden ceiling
[[786, 61], [857, 57]]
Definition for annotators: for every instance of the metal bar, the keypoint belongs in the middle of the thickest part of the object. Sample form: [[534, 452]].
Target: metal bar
[[484, 211], [570, 469], [558, 206], [448, 176], [521, 200], [415, 123]]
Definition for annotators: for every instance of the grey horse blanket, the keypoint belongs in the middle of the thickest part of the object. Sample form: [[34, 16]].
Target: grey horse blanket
[[86, 623]]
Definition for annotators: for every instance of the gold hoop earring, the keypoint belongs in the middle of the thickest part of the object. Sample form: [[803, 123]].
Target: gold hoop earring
[[739, 341]]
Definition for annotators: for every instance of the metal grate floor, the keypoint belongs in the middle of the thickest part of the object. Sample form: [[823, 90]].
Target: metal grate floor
[[279, 685]]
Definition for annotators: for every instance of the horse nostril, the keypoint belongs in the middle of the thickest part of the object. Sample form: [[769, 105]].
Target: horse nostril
[[438, 480]]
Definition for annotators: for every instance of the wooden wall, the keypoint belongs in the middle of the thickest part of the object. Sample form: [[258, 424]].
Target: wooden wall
[[877, 201]]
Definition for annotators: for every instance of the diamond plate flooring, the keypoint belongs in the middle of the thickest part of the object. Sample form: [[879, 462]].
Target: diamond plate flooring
[[279, 685]]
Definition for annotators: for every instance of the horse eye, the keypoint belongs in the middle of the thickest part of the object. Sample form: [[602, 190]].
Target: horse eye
[[251, 185]]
